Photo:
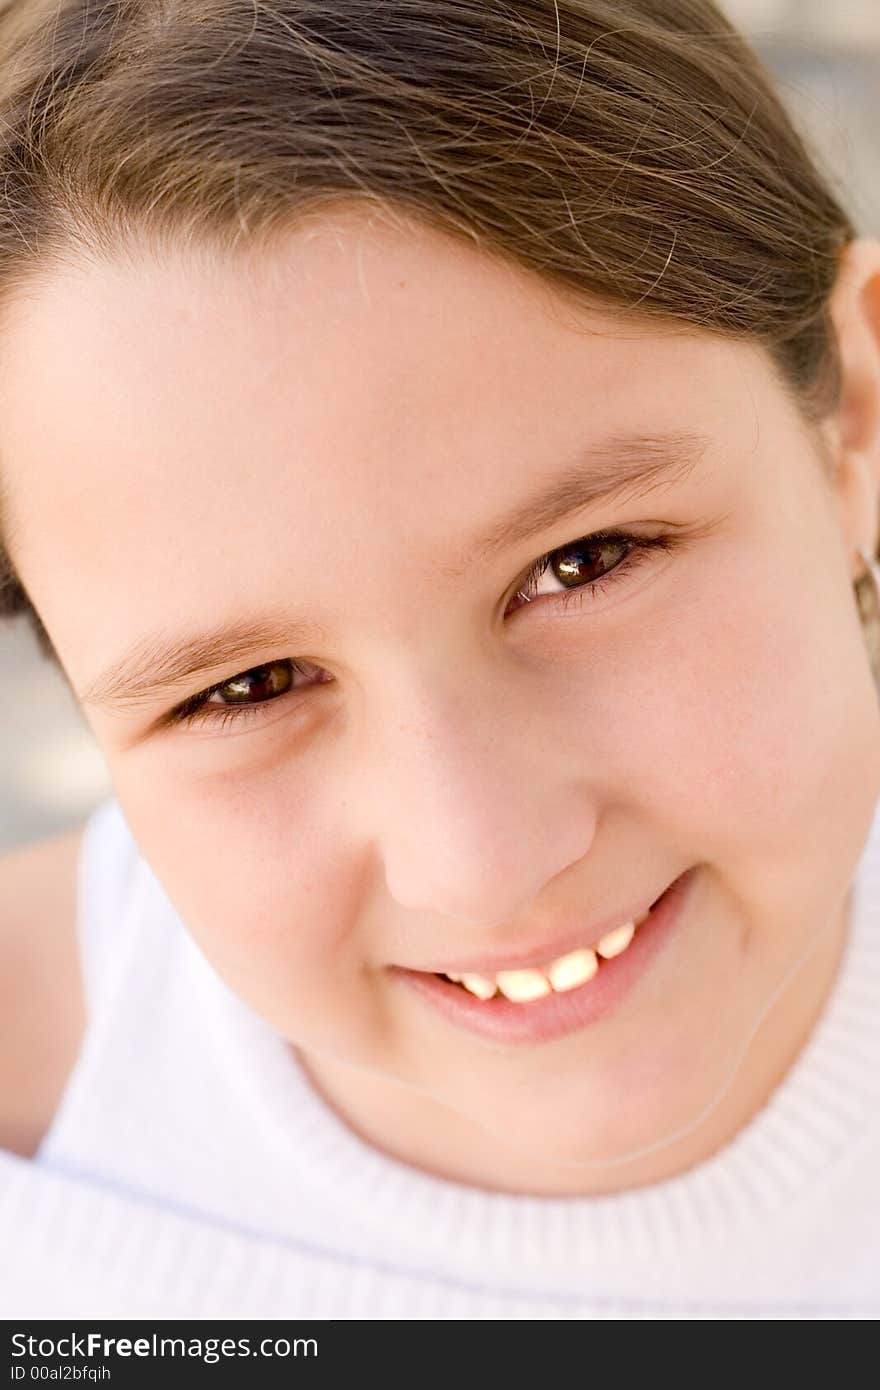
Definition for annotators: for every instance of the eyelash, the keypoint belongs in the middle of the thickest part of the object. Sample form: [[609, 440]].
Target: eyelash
[[197, 710]]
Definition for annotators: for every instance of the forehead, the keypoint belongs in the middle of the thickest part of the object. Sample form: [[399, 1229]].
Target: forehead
[[182, 423]]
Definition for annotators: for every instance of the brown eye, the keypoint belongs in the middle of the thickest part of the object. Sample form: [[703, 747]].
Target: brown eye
[[248, 694], [581, 563], [587, 567], [256, 685]]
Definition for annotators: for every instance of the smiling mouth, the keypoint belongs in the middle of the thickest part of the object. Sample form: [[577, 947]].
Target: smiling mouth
[[522, 1006], [556, 976]]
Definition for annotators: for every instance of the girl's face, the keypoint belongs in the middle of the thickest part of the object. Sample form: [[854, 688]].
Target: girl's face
[[287, 471]]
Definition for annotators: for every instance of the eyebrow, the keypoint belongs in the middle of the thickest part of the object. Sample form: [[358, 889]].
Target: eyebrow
[[624, 466]]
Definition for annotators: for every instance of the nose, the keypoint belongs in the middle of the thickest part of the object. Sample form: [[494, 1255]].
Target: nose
[[474, 811]]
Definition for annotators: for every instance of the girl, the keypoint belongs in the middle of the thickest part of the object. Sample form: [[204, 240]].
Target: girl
[[441, 450]]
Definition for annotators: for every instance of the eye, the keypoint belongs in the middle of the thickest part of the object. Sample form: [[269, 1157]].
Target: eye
[[585, 568], [247, 695]]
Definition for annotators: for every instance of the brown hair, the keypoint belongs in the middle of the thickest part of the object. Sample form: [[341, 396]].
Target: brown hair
[[632, 151]]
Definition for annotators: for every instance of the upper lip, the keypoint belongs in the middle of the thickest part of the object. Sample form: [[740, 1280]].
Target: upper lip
[[534, 954]]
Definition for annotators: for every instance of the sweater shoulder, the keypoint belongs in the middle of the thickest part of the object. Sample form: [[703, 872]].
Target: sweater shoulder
[[59, 898]]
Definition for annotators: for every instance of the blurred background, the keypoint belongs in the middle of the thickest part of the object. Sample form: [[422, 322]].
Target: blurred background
[[826, 57]]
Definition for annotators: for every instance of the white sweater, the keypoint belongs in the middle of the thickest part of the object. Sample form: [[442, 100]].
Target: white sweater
[[192, 1172]]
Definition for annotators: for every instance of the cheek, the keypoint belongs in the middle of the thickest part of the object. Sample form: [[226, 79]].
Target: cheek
[[746, 720], [253, 873]]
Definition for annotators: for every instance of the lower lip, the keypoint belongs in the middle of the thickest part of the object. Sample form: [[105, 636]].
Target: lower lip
[[552, 1016]]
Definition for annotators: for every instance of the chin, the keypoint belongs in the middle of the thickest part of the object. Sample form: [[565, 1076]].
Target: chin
[[594, 1146], [597, 1132]]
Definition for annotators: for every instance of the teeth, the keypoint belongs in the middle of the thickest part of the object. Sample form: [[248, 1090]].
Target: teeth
[[522, 985], [616, 941], [480, 985], [566, 972], [574, 969]]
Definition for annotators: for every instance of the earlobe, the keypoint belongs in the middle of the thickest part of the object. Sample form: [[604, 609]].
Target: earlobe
[[867, 590], [858, 497]]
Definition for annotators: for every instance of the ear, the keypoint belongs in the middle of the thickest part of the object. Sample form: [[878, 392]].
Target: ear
[[853, 433]]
